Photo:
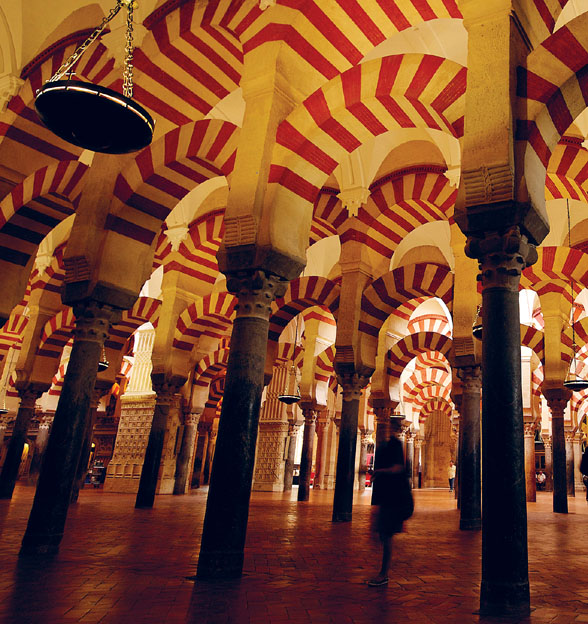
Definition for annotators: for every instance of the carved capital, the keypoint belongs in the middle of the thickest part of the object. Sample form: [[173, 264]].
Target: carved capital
[[255, 292], [502, 257], [382, 414], [30, 394], [557, 399], [547, 442], [309, 415], [352, 385], [191, 419], [530, 430], [471, 377], [93, 320]]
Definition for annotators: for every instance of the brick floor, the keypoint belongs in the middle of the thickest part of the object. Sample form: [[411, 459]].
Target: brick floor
[[118, 564]]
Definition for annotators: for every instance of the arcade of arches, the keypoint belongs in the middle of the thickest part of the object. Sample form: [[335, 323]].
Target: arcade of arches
[[332, 191]]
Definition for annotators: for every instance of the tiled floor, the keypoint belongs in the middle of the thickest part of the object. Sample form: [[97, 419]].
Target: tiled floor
[[122, 565]]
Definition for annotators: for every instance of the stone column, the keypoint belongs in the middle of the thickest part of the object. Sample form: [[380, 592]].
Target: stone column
[[209, 456], [87, 444], [548, 463], [185, 455], [363, 444], [469, 449], [409, 460], [455, 453], [418, 444], [307, 453], [289, 467], [505, 575], [571, 487], [530, 478], [29, 394], [577, 444], [557, 399], [3, 426], [203, 429], [40, 446], [351, 386], [227, 509], [321, 455], [166, 391], [382, 412], [49, 512]]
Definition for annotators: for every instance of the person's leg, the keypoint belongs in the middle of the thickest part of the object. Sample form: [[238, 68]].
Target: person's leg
[[382, 576]]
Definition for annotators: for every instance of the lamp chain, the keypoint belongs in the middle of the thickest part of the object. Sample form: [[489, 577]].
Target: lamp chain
[[128, 71], [71, 61]]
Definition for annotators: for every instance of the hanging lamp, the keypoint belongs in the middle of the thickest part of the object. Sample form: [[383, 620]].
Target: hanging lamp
[[573, 381], [286, 398], [103, 364], [91, 116]]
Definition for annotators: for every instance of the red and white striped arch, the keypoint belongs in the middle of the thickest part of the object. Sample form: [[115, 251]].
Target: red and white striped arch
[[533, 338], [435, 404], [35, 206], [211, 316], [430, 323], [328, 216], [57, 381], [302, 293], [197, 251], [210, 366], [215, 394], [13, 331], [567, 174], [56, 334], [556, 264], [432, 359], [428, 392], [409, 91], [437, 377], [409, 347], [555, 88], [51, 279], [324, 369], [165, 172], [390, 291], [146, 309]]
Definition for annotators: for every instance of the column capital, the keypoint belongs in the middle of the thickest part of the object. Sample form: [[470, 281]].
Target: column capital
[[557, 399], [93, 320], [530, 428], [471, 377], [310, 414], [502, 257], [352, 385], [192, 418], [547, 441], [255, 291], [30, 393]]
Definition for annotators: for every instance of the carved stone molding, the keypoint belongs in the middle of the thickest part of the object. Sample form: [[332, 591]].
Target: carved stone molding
[[530, 430], [471, 377], [93, 320], [352, 385]]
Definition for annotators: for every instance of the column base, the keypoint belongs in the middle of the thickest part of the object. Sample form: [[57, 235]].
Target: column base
[[219, 566], [502, 599], [342, 516], [40, 545], [474, 524]]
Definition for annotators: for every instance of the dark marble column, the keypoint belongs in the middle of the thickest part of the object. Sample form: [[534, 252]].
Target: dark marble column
[[418, 445], [530, 478], [571, 486], [227, 508], [505, 574], [307, 453], [321, 455], [289, 467], [470, 494], [87, 444], [166, 391], [409, 460], [185, 455], [29, 394], [49, 512], [208, 458], [548, 463], [203, 430], [362, 468], [40, 446], [557, 399], [351, 386]]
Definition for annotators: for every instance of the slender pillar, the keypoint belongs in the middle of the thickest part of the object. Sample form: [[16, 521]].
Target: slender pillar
[[410, 456], [548, 463], [87, 445], [203, 430], [227, 508], [28, 396], [470, 501], [456, 435], [530, 478], [49, 512], [571, 486], [418, 443], [351, 386], [209, 456], [577, 444], [40, 446], [307, 453], [362, 470], [185, 455], [321, 455], [557, 400], [289, 467], [166, 396], [505, 574]]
